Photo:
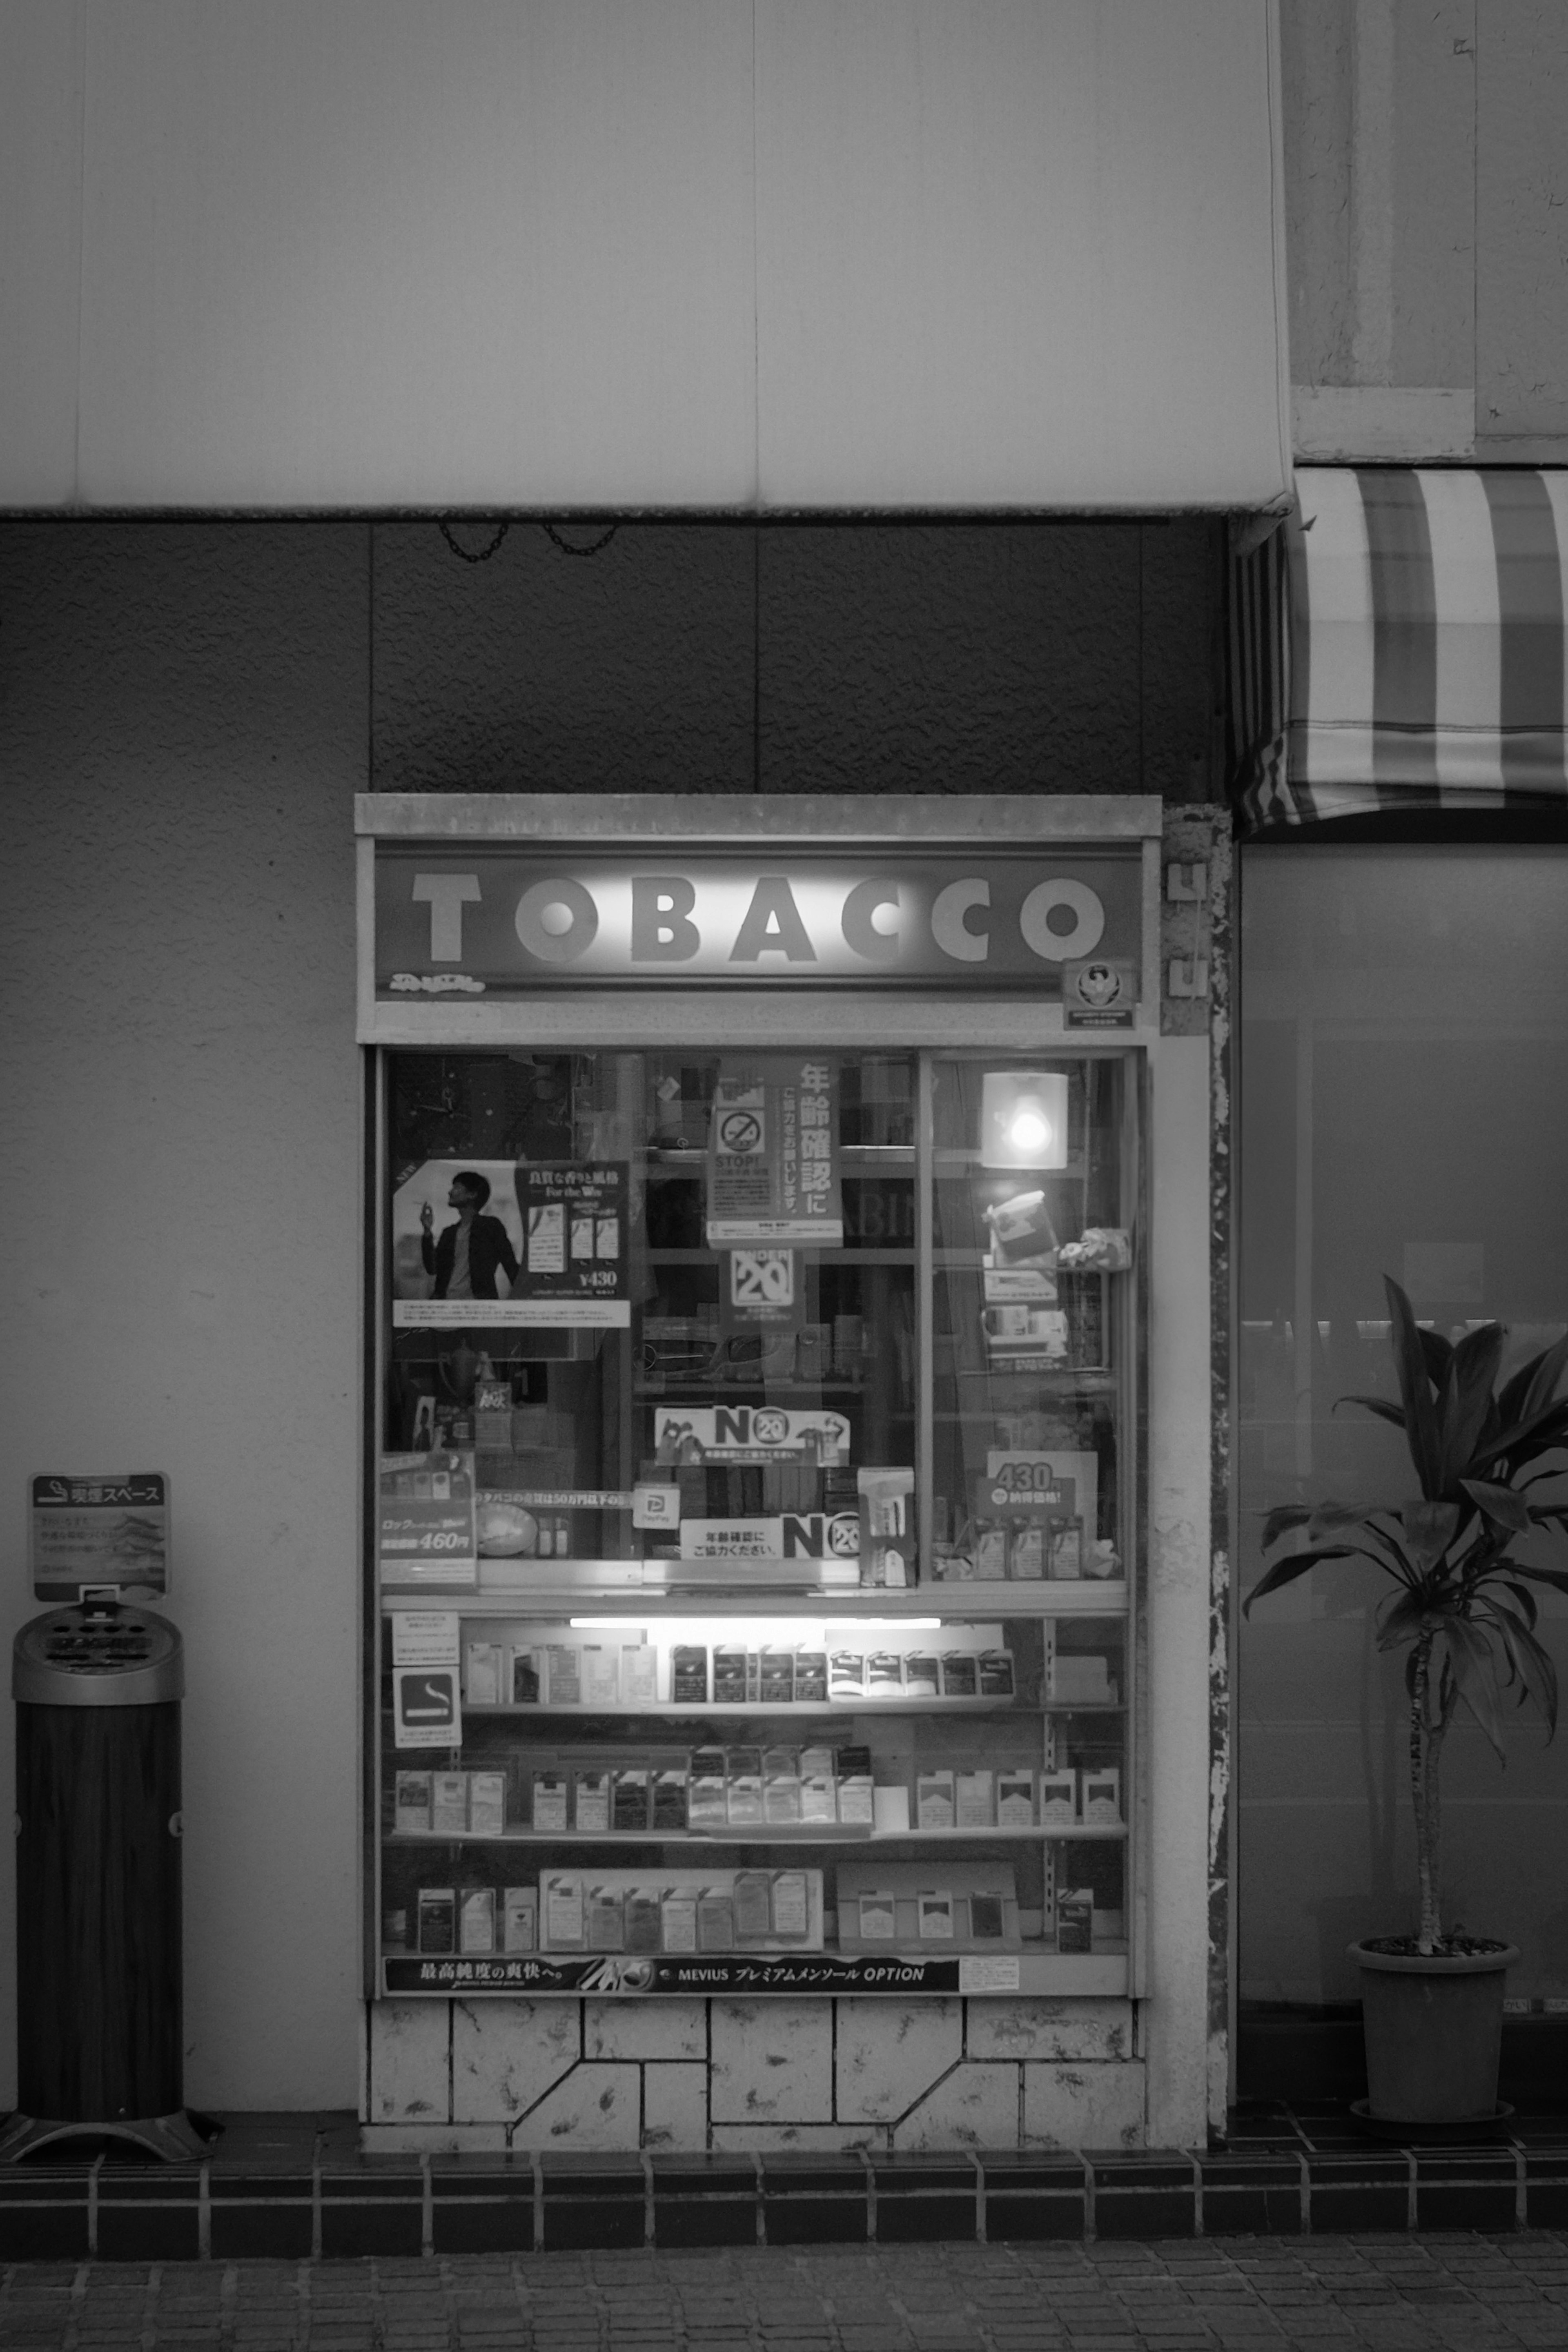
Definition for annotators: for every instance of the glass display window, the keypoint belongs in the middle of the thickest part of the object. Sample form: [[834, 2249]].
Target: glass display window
[[755, 1518]]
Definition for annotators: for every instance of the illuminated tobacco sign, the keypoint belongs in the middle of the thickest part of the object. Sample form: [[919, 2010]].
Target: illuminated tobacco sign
[[476, 923]]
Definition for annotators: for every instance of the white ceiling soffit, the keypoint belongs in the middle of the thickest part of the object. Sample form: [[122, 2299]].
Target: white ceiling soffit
[[640, 255]]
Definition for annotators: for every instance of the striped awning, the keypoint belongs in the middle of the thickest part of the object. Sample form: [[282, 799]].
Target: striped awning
[[1401, 643]]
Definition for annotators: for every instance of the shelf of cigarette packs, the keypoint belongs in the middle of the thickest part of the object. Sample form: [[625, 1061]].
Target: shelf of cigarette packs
[[684, 1763]]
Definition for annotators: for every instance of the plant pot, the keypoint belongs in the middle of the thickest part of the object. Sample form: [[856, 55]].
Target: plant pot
[[1434, 2033]]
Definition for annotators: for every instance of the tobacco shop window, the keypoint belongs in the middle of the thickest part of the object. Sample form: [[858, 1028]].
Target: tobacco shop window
[[670, 1307], [756, 1521]]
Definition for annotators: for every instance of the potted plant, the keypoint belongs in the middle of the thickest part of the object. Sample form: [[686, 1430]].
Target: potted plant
[[1462, 1609]]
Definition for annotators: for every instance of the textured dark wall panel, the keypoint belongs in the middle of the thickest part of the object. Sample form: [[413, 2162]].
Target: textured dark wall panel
[[1000, 658]]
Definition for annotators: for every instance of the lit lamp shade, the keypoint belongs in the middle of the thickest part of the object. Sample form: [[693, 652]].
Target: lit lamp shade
[[1024, 1118]]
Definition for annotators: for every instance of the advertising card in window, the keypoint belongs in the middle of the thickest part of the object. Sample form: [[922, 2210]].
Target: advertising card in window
[[773, 1152]]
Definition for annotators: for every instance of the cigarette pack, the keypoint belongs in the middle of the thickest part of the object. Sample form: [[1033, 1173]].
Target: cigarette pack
[[855, 1795], [920, 1675], [641, 1919], [605, 1922], [818, 1796], [847, 1675], [933, 1913], [1026, 1559], [707, 1805], [519, 1918], [591, 1800], [528, 1672], [688, 1675], [974, 1799], [1058, 1796], [678, 1920], [753, 1906], [996, 1674], [715, 1920], [411, 1804], [438, 1918], [753, 1677], [562, 1907], [884, 1674], [878, 1918], [1102, 1796], [449, 1803], [884, 1500], [991, 1553], [564, 1675], [1075, 1918], [959, 1675], [729, 1677], [486, 1803], [629, 1802], [744, 1791], [811, 1677], [934, 1800], [669, 1784], [780, 1785], [777, 1677], [987, 1919], [483, 1663], [476, 1919], [639, 1674], [791, 1904], [492, 1416], [549, 1811], [890, 1808], [1067, 1548], [1015, 1797], [601, 1675]]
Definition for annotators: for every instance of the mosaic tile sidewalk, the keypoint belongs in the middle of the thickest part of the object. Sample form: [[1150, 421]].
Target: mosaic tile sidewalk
[[1393, 2294]]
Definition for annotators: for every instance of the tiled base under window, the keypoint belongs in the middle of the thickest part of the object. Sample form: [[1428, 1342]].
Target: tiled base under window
[[297, 2186]]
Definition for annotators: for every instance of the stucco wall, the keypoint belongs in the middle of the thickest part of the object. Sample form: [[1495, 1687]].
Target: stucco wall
[[184, 713], [184, 721], [1426, 179]]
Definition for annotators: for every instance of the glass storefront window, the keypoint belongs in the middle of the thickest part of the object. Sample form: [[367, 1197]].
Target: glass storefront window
[[1405, 1072], [757, 1453]]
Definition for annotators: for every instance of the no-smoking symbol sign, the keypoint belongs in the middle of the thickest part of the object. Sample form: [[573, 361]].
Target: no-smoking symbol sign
[[739, 1133]]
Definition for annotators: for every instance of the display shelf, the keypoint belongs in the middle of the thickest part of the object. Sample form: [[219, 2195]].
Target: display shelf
[[851, 1155], [950, 1162], [797, 1711], [812, 1253], [773, 1833], [953, 1600], [777, 1711], [717, 1392]]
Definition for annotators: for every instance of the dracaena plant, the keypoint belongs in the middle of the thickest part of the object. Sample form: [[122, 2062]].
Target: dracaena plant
[[1461, 1604]]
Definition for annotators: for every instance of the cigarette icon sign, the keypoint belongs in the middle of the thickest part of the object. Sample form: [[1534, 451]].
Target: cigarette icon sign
[[429, 1699]]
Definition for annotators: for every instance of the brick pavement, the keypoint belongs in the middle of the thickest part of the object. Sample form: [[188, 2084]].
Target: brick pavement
[[1394, 2293]]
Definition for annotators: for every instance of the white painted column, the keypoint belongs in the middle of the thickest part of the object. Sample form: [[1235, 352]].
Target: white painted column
[[1176, 2015]]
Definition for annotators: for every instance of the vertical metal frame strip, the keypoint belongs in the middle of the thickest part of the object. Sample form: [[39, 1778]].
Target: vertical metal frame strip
[[364, 936], [374, 1319], [1151, 983], [925, 1313], [1137, 1129]]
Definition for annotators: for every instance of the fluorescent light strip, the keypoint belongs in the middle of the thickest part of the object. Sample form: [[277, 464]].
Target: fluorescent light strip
[[800, 1627]]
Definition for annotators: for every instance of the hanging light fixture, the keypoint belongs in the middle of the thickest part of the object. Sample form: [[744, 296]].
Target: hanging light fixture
[[1024, 1118]]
